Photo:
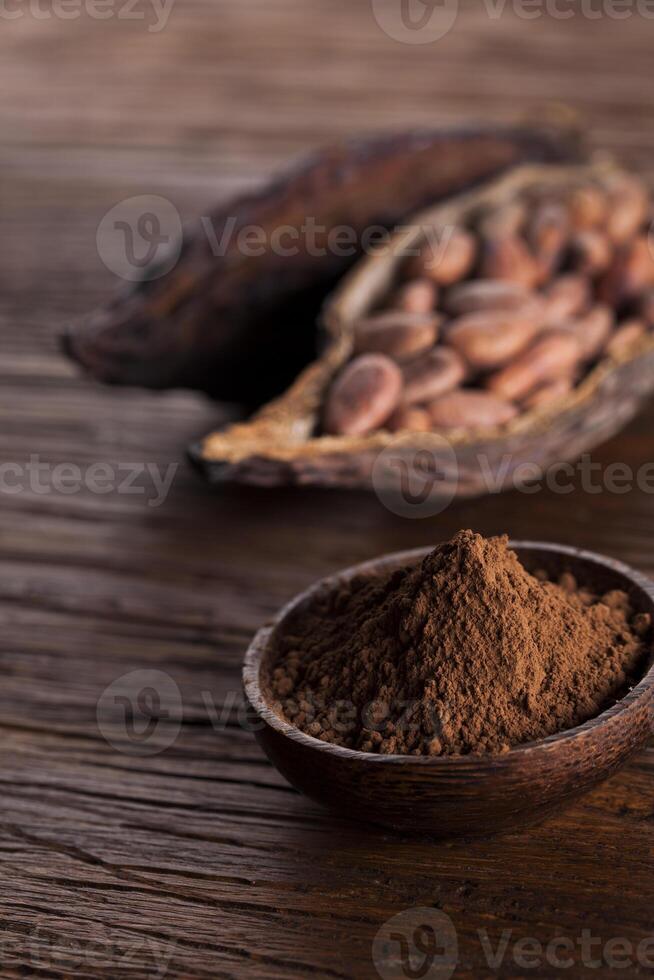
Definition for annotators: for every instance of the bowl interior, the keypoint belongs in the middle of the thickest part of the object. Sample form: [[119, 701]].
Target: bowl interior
[[596, 571]]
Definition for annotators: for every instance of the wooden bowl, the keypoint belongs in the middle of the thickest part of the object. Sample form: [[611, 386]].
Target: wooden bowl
[[452, 796]]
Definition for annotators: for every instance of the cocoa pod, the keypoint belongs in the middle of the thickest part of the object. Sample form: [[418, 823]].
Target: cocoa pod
[[396, 333], [509, 259], [417, 296], [547, 393], [553, 356], [447, 259], [284, 443], [624, 338], [470, 409], [628, 206], [631, 273], [587, 207], [592, 330], [408, 418], [432, 375], [591, 252], [564, 298], [241, 326], [363, 396], [485, 295], [489, 340]]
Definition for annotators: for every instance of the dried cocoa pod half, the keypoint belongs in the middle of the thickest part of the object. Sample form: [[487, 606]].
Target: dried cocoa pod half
[[285, 442], [241, 326], [396, 333]]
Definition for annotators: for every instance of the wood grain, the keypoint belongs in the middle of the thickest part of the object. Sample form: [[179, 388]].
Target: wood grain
[[201, 860]]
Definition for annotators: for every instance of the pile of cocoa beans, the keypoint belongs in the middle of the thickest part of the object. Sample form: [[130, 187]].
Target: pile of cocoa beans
[[505, 314]]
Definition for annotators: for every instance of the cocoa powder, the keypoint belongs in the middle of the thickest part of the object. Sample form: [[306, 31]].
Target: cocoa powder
[[466, 652]]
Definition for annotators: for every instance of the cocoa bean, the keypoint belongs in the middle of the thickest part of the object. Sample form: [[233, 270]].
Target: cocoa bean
[[547, 393], [432, 375], [628, 206], [509, 259], [363, 396], [553, 356], [489, 340], [396, 333], [448, 258], [407, 418], [587, 207], [565, 297], [628, 333], [631, 273], [486, 295], [466, 408], [417, 296], [592, 330], [591, 252]]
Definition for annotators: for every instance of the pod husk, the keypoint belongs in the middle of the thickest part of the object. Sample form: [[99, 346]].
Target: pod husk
[[280, 445], [242, 327]]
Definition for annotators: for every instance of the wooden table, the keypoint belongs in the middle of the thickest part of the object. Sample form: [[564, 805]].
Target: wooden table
[[200, 861]]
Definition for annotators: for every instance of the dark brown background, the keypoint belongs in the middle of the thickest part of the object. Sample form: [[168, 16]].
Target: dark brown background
[[202, 854]]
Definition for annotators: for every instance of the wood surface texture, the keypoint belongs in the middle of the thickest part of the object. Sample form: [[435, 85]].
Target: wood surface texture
[[200, 861]]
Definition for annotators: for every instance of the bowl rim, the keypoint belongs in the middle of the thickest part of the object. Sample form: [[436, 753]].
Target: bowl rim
[[259, 646]]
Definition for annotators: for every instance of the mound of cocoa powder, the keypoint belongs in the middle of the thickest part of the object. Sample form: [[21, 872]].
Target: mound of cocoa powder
[[465, 652]]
